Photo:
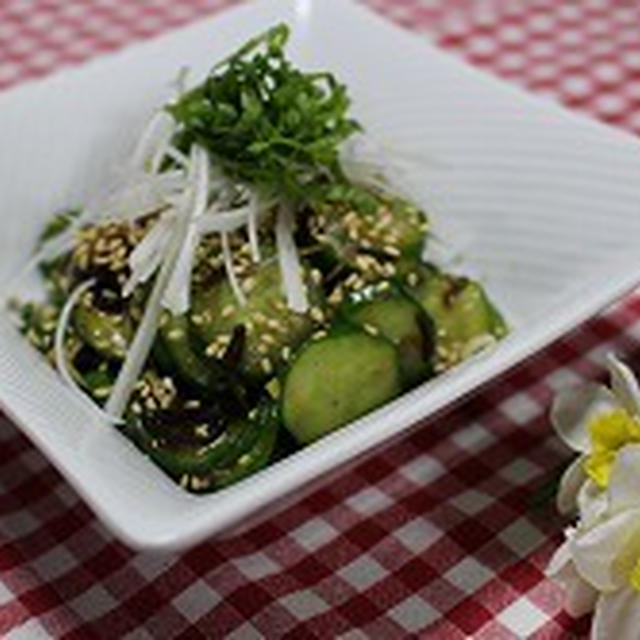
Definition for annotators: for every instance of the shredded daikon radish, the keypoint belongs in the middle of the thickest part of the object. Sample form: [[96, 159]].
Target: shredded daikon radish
[[158, 128], [61, 358], [162, 149], [148, 254], [231, 275], [146, 194], [177, 296], [223, 221], [289, 261], [145, 334], [177, 156], [252, 227]]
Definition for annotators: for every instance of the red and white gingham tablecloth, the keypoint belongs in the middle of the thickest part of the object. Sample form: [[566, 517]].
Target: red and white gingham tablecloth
[[381, 552]]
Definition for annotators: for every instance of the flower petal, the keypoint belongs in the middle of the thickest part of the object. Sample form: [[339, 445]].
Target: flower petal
[[625, 479], [572, 410], [605, 554], [580, 596], [570, 483], [592, 504], [624, 384], [617, 616]]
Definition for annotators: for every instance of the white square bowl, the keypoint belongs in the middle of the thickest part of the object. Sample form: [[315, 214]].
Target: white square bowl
[[545, 203]]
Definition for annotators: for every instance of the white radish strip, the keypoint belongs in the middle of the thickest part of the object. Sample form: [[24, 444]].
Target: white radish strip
[[228, 265], [290, 268], [223, 221], [180, 82], [164, 142], [177, 296], [147, 256], [177, 156], [155, 131], [59, 351], [146, 195], [216, 220], [145, 334], [252, 228]]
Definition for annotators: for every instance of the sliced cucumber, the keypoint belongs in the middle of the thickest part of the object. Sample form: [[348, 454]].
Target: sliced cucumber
[[270, 325], [387, 227], [220, 454], [109, 334], [402, 321], [249, 462], [336, 379], [175, 343], [464, 316]]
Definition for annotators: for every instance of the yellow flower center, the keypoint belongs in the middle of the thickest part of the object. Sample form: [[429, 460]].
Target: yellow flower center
[[609, 432], [634, 576]]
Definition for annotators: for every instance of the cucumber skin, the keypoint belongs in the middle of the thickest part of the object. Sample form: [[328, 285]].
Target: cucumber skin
[[109, 336], [224, 449], [454, 328], [174, 339], [249, 463], [400, 319], [347, 374], [238, 440], [266, 299]]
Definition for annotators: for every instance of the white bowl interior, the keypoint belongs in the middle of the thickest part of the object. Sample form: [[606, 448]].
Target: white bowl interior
[[543, 204]]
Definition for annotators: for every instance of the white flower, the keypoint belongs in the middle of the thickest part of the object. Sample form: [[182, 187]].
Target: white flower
[[597, 422], [599, 564]]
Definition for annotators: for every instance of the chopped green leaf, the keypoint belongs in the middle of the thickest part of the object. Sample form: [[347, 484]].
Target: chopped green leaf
[[267, 122]]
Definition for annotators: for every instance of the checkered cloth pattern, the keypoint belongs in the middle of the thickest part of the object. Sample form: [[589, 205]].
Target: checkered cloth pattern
[[435, 536]]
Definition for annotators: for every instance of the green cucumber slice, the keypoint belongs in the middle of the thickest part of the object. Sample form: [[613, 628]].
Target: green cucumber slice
[[174, 338], [234, 442], [272, 329], [337, 379], [109, 334], [402, 321], [464, 316]]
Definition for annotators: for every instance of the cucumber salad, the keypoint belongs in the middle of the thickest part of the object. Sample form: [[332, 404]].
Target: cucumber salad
[[246, 285]]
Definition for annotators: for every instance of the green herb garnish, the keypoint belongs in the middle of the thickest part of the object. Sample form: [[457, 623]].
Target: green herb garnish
[[266, 122]]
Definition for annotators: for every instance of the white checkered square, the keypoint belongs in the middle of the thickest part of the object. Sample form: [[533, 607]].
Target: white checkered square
[[30, 630], [245, 631], [413, 614], [418, 535], [93, 603], [521, 408], [256, 566], [521, 537], [54, 563], [369, 501], [304, 604], [362, 573], [520, 471], [422, 470], [468, 575], [474, 438], [471, 501], [563, 378], [522, 618], [5, 594], [196, 600], [150, 566], [20, 523], [314, 533]]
